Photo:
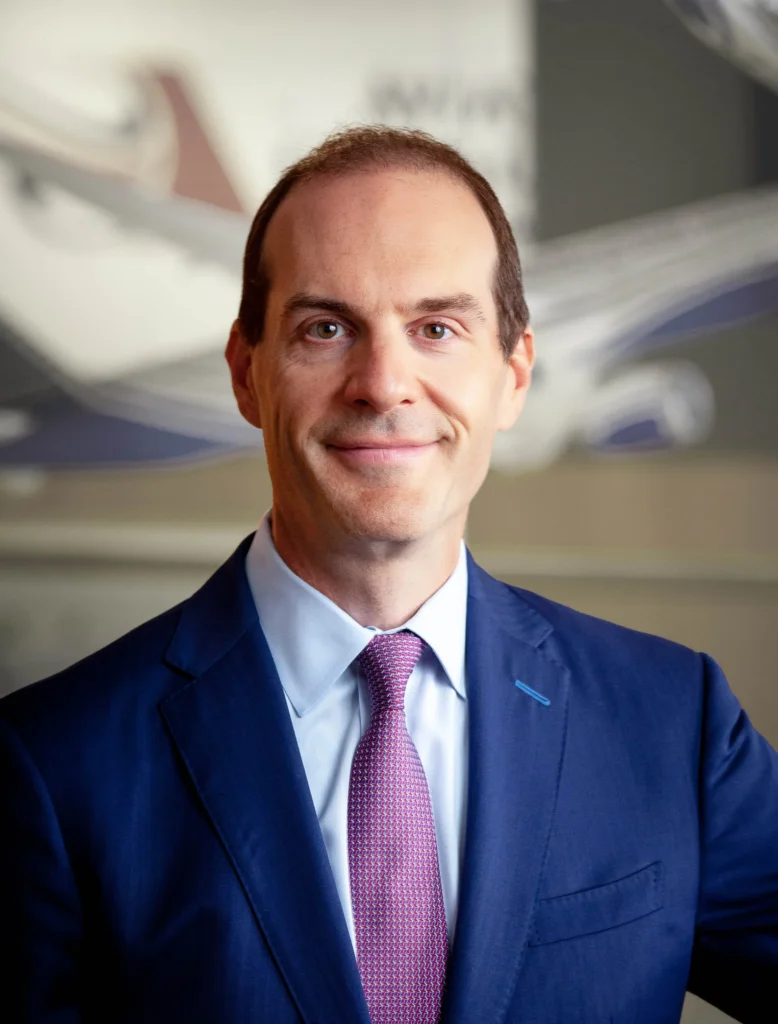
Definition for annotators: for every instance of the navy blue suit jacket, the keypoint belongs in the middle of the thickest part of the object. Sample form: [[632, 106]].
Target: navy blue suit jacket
[[162, 860]]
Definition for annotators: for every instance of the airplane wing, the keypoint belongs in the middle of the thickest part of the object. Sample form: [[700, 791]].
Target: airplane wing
[[50, 422], [620, 290], [192, 395]]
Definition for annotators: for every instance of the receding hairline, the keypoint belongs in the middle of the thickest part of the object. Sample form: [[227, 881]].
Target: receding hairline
[[380, 166], [372, 149]]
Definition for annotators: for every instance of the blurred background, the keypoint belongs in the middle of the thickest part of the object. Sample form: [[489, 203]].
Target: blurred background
[[635, 148]]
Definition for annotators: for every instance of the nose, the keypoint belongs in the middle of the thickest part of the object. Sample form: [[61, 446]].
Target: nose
[[382, 372]]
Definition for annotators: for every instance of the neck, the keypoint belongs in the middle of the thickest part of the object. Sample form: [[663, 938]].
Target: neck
[[378, 583]]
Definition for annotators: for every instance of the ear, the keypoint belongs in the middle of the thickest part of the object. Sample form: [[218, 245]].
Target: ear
[[239, 355], [518, 379]]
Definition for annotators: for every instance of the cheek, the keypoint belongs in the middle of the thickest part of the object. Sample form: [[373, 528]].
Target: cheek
[[472, 400], [294, 399]]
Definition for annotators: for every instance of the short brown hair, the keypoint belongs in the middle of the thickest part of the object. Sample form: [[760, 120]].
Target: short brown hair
[[379, 147]]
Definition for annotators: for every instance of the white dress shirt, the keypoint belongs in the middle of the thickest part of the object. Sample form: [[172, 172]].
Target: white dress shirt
[[314, 644]]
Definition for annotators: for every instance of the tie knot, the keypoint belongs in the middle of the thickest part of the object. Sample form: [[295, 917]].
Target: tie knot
[[388, 661]]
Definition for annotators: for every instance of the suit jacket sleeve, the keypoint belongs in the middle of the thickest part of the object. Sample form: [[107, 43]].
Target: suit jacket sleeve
[[40, 912], [735, 958]]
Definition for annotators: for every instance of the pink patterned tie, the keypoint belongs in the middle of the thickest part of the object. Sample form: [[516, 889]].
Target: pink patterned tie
[[396, 895]]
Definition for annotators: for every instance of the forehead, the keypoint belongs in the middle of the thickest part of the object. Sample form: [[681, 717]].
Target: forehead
[[378, 233]]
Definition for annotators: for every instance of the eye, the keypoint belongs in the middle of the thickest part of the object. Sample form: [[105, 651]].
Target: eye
[[436, 331], [324, 330]]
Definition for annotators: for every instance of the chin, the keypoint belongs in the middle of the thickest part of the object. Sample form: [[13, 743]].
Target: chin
[[392, 518]]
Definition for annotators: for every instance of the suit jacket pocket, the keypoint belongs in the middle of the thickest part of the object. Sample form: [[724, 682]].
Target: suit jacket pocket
[[595, 910]]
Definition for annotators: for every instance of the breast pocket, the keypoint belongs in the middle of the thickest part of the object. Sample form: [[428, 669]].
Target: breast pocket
[[595, 910]]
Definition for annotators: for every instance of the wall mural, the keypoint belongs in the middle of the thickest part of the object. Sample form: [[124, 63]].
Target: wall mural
[[131, 166]]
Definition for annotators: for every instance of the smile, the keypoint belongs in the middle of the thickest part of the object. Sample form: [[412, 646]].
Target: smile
[[382, 453]]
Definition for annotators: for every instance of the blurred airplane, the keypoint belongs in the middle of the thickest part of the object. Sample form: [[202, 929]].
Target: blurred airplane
[[125, 243]]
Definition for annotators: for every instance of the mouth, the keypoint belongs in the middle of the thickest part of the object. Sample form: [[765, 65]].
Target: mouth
[[381, 452]]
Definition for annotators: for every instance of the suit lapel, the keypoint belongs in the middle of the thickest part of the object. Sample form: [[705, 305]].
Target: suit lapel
[[516, 744], [232, 728]]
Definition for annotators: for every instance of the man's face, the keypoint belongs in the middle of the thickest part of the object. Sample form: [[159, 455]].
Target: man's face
[[379, 381]]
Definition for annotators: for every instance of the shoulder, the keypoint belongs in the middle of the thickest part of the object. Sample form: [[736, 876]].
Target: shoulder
[[608, 662], [128, 673], [106, 706], [552, 626], [641, 691], [602, 639]]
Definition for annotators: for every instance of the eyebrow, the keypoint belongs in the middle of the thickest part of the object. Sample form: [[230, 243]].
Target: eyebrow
[[462, 302]]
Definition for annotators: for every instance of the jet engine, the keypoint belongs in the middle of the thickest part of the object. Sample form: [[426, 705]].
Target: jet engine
[[648, 408]]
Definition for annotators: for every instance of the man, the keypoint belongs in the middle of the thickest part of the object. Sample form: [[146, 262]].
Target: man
[[354, 777]]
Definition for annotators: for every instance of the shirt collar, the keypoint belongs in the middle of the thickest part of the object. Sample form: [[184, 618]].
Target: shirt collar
[[313, 641]]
